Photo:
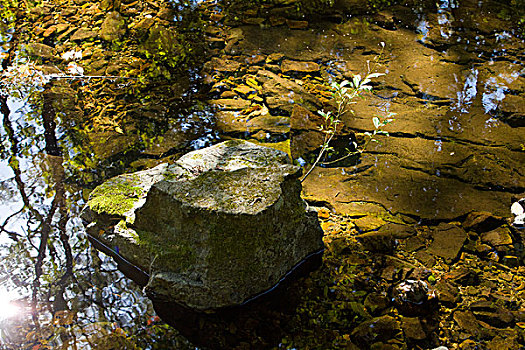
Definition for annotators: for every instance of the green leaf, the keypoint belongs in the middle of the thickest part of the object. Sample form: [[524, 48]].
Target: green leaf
[[377, 122], [374, 75], [356, 80]]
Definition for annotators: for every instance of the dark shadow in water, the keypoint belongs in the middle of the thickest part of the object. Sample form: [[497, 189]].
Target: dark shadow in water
[[256, 324]]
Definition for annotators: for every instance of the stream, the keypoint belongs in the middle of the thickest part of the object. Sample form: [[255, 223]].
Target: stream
[[93, 90]]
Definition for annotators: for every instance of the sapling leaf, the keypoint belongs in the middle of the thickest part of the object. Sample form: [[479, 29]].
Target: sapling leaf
[[365, 87], [377, 122], [374, 75], [356, 80]]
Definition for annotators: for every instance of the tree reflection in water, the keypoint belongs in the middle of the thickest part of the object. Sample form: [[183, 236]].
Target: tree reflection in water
[[66, 294]]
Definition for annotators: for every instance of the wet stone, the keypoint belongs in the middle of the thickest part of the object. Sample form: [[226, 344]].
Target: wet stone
[[463, 276], [488, 312], [376, 241], [468, 322], [498, 237], [447, 241], [40, 50], [413, 328], [222, 65], [231, 103], [414, 298], [369, 223], [83, 34], [375, 302], [288, 66], [282, 93], [379, 329], [398, 231], [504, 343], [448, 294], [426, 259], [482, 222], [414, 243], [296, 24]]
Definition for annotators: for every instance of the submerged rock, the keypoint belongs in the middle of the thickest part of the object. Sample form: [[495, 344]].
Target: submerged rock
[[414, 298], [216, 228]]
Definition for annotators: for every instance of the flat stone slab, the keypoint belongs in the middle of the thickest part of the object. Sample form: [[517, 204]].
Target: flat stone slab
[[448, 241]]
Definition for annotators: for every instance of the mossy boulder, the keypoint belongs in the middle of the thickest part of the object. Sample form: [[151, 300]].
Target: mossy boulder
[[215, 229]]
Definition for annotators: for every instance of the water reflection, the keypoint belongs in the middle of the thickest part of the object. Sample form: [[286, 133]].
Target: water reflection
[[46, 170]]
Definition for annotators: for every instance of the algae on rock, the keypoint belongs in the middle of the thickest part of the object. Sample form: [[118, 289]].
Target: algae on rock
[[215, 229]]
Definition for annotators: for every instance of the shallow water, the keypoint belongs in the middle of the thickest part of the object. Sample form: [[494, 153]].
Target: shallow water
[[456, 84]]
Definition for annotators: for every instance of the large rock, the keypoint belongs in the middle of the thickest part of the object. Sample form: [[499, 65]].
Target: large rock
[[215, 229]]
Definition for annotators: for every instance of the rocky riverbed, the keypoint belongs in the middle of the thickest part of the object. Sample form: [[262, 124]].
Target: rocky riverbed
[[431, 202]]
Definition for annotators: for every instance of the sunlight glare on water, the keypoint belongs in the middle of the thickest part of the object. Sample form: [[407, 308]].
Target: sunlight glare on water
[[7, 307]]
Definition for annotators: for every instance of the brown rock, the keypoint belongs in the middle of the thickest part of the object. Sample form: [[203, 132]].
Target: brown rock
[[463, 276], [40, 50], [414, 243], [244, 90], [166, 14], [398, 231], [270, 123], [369, 223], [379, 329], [255, 59], [277, 21], [274, 57], [413, 328], [231, 103], [222, 65], [376, 302], [296, 24], [61, 27], [467, 321], [230, 122], [376, 241], [497, 237], [488, 312], [228, 94], [504, 343], [426, 259], [303, 119], [83, 34], [448, 294], [289, 66], [284, 94], [482, 221], [448, 240], [142, 27], [49, 31]]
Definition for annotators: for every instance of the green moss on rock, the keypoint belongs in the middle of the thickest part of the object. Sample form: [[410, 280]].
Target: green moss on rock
[[114, 198]]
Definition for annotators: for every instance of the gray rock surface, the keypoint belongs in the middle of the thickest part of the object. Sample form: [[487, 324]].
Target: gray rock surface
[[216, 228]]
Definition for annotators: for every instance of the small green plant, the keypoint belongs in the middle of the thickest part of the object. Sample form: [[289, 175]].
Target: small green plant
[[343, 94]]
